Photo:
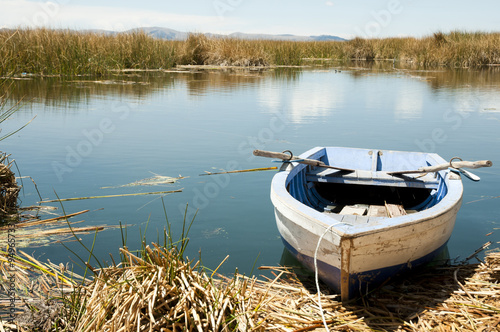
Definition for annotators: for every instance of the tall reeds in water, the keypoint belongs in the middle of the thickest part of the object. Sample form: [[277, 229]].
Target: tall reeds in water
[[65, 52], [457, 49], [199, 49]]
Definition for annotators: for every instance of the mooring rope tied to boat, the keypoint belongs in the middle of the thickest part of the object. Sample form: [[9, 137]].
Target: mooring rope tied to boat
[[316, 276]]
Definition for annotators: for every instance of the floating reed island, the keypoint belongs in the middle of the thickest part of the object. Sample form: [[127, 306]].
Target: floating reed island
[[156, 289], [66, 52]]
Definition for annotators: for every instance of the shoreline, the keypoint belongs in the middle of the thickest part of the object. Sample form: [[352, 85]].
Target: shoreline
[[462, 297]]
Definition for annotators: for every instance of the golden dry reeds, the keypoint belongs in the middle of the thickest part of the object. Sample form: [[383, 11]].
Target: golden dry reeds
[[9, 190], [199, 49], [456, 298], [66, 52], [157, 290], [33, 289], [473, 303], [457, 49]]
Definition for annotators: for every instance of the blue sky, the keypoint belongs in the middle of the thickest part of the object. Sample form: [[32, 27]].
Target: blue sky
[[365, 18]]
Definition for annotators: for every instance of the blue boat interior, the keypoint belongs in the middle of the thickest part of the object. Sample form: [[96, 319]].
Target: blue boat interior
[[330, 190]]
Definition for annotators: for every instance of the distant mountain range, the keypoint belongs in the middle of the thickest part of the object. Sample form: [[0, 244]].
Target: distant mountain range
[[171, 34]]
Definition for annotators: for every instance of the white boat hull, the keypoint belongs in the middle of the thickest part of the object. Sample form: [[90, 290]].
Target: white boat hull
[[358, 253]]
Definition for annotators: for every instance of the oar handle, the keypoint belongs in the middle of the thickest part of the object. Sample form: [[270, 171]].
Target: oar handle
[[289, 157], [471, 164], [454, 164], [286, 157]]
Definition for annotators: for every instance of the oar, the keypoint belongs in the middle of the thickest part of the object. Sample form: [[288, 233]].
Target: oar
[[468, 174], [288, 157], [456, 164]]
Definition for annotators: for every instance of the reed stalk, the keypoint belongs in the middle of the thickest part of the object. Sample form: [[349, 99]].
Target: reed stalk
[[110, 196]]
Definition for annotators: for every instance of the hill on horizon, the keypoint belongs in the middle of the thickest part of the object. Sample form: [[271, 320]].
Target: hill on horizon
[[171, 34]]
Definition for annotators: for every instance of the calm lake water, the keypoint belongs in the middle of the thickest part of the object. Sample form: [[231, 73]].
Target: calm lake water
[[89, 138]]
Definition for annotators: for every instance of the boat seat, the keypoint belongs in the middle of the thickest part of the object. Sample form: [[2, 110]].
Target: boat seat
[[375, 178], [387, 210]]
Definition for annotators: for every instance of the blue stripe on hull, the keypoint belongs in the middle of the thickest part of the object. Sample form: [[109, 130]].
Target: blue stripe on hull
[[359, 283]]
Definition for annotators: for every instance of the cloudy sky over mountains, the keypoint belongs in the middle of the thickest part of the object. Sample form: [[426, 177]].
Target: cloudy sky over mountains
[[365, 18]]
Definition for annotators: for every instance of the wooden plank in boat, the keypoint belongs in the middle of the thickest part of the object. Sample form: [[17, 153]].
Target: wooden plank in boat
[[353, 210], [395, 210], [377, 211]]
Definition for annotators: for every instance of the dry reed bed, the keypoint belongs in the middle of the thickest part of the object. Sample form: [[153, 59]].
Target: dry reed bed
[[457, 298], [66, 52], [9, 190], [472, 306], [160, 293], [153, 293], [38, 287], [157, 290]]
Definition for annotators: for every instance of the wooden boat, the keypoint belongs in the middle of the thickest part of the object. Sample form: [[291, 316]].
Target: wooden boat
[[358, 217]]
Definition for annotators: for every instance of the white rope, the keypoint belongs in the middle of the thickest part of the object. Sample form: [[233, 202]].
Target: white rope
[[316, 275]]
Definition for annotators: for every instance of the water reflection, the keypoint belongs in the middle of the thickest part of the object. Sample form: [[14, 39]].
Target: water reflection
[[57, 91], [488, 77], [172, 123], [311, 98], [473, 99], [290, 261], [317, 97], [409, 103], [201, 83]]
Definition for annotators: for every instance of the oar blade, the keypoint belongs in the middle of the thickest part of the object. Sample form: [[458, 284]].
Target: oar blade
[[470, 175], [467, 174]]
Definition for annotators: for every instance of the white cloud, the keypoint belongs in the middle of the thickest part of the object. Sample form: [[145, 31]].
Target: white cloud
[[329, 3], [62, 14]]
